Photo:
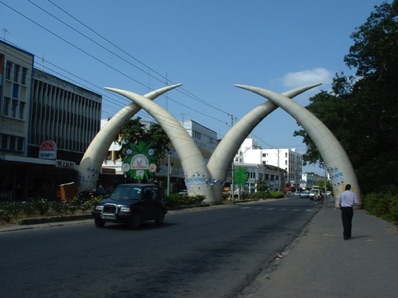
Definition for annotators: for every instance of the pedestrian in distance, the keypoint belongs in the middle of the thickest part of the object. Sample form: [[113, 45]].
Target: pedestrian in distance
[[347, 201]]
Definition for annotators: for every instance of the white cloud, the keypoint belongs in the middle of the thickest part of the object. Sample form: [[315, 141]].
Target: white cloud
[[307, 77]]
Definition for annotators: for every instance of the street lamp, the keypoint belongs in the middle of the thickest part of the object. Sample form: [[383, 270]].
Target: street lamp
[[168, 174]]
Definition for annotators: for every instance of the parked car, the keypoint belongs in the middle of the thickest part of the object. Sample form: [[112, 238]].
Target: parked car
[[304, 194], [131, 204]]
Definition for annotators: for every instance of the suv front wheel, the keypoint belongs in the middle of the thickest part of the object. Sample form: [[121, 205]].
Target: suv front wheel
[[159, 220]]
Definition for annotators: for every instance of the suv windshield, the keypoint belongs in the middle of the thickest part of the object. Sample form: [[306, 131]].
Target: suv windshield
[[126, 192]]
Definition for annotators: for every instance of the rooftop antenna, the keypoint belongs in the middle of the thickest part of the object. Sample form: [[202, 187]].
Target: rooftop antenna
[[5, 30]]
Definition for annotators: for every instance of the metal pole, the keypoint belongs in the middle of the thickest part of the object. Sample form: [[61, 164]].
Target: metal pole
[[232, 181], [279, 173], [168, 173], [325, 195]]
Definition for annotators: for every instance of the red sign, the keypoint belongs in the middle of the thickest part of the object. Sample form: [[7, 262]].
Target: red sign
[[48, 150]]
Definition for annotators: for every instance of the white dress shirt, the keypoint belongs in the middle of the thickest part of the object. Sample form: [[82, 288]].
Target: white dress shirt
[[348, 199]]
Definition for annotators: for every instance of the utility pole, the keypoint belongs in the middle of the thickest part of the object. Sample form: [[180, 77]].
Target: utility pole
[[279, 173], [232, 188], [232, 181]]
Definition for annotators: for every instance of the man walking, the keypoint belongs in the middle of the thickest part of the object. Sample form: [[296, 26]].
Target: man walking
[[347, 201]]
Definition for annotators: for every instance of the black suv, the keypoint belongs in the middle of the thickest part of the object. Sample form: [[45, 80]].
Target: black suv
[[131, 204]]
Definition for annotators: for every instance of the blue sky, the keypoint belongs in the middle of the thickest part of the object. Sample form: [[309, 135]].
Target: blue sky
[[208, 46]]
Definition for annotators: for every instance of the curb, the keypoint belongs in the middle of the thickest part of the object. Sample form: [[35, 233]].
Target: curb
[[51, 219]]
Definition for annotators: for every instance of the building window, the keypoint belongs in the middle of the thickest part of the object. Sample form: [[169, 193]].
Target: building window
[[196, 134], [24, 74], [15, 90], [4, 142], [21, 110], [8, 70], [12, 143], [16, 72], [6, 106], [14, 108], [20, 144]]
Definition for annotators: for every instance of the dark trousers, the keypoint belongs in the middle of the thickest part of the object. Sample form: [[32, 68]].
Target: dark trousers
[[346, 216]]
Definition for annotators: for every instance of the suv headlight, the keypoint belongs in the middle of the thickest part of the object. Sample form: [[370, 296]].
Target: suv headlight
[[124, 209], [99, 207]]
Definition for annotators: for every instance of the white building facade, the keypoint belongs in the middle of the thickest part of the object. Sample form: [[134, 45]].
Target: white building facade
[[287, 160]]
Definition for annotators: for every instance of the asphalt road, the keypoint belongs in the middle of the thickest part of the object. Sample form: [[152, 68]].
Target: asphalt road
[[213, 252]]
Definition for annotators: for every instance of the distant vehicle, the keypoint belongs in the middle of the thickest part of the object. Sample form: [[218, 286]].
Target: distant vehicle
[[131, 204], [304, 194], [313, 193]]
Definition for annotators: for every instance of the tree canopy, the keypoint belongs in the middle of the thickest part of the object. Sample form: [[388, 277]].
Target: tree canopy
[[362, 110]]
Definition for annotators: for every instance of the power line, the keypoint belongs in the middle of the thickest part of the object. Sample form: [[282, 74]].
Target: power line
[[106, 64], [186, 92]]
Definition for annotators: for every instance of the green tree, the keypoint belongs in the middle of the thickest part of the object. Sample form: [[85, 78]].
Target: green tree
[[240, 178], [260, 185], [362, 110]]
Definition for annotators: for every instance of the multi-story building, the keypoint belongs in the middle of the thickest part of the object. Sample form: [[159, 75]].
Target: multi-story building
[[289, 161], [46, 125], [204, 138]]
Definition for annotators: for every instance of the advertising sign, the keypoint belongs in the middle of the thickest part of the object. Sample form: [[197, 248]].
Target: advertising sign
[[139, 163], [48, 150]]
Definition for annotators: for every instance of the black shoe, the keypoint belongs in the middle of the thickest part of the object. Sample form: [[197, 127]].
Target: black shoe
[[346, 238]]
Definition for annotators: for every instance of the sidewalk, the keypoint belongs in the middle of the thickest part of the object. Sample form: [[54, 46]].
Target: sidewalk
[[322, 264]]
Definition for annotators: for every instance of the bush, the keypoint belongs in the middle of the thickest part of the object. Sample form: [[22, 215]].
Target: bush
[[5, 213], [72, 207], [58, 207], [394, 210], [266, 195], [9, 210], [28, 208], [42, 205], [175, 200], [384, 205]]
